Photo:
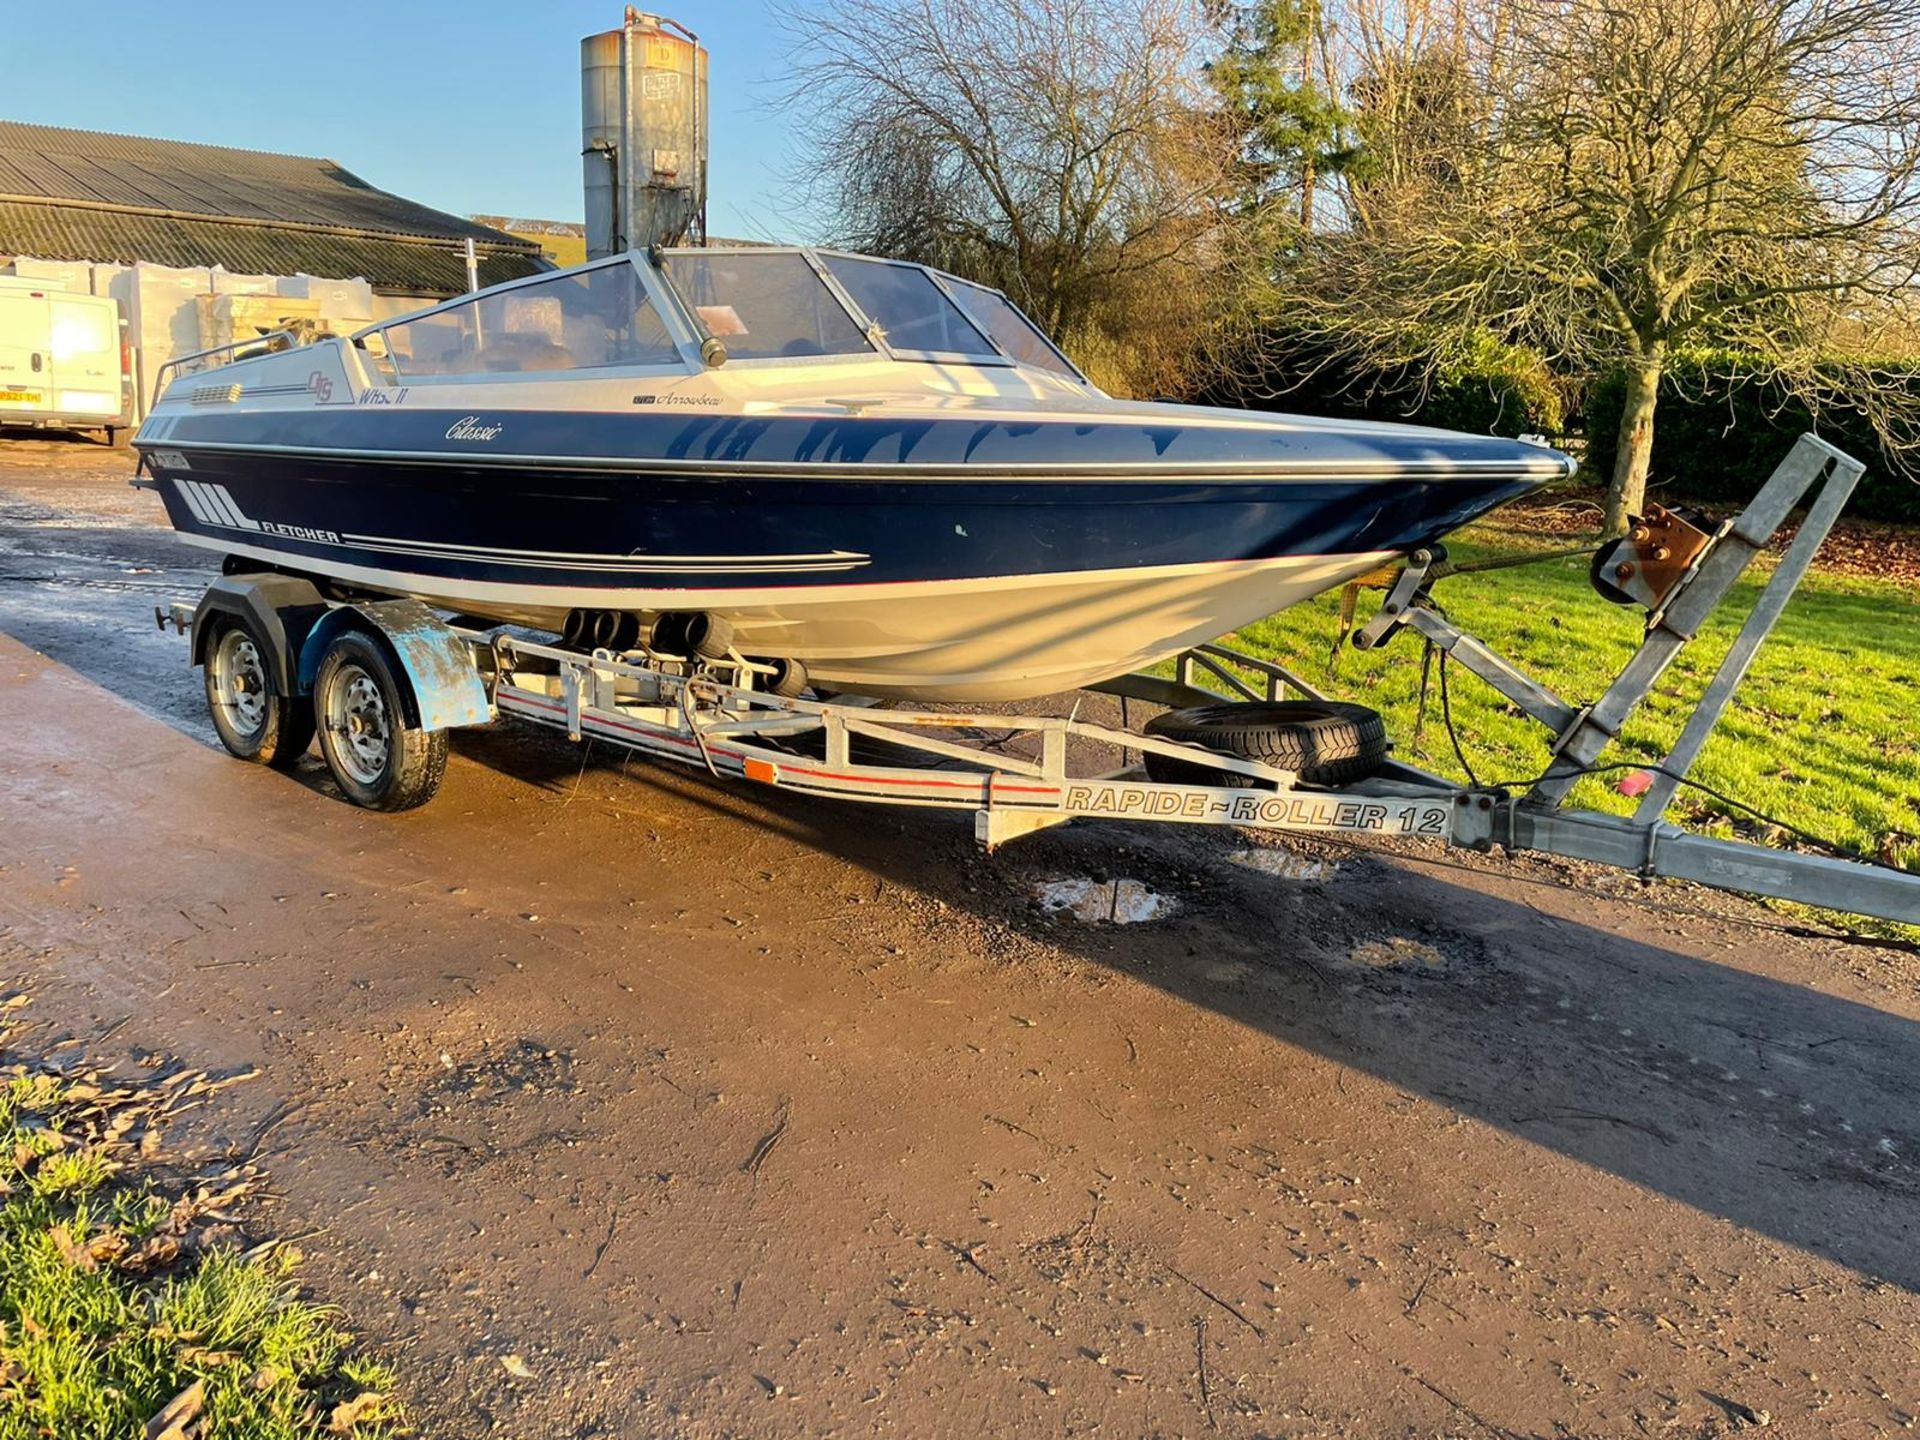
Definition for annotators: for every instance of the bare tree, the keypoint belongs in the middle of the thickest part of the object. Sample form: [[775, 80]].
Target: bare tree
[[1421, 82], [1055, 148], [1614, 179]]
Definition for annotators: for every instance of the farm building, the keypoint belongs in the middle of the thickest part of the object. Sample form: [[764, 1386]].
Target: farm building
[[202, 244]]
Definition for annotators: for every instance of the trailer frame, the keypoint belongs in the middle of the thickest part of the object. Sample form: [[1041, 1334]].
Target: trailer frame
[[1019, 774]]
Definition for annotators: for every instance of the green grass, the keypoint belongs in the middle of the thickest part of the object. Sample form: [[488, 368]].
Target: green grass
[[1824, 734], [111, 1307]]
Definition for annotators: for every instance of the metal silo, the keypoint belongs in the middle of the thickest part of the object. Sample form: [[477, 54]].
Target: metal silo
[[643, 111]]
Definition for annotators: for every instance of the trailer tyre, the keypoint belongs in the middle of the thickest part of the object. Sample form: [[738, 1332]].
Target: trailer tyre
[[1322, 741], [379, 759], [252, 718]]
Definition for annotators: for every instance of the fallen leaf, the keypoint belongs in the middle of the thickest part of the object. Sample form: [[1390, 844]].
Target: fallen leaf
[[515, 1367], [210, 1086], [71, 1250], [349, 1413], [172, 1421], [155, 1252]]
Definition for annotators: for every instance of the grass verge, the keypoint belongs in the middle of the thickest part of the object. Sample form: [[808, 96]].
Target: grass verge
[[131, 1304]]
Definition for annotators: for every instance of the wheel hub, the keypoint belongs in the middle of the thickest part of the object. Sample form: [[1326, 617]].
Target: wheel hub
[[240, 682], [357, 713]]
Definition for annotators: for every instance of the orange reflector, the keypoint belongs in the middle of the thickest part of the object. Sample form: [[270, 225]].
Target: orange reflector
[[765, 771]]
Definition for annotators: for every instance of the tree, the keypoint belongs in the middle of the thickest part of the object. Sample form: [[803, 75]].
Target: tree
[[1617, 179], [1054, 148], [1288, 129]]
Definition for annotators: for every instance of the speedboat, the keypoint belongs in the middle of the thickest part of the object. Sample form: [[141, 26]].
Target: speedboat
[[867, 468]]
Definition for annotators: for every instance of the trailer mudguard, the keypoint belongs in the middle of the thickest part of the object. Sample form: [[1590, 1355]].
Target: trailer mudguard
[[444, 688], [281, 610]]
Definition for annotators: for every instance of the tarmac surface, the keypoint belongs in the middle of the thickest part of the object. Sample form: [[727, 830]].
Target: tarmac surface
[[732, 1114]]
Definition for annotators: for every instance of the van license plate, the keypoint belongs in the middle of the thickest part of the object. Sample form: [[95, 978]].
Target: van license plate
[[21, 397]]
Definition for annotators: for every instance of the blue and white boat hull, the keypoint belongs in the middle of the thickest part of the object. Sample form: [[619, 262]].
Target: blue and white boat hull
[[979, 531], [886, 576]]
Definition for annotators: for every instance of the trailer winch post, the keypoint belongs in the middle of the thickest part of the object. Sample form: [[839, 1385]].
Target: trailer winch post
[[1825, 510], [1680, 604], [1679, 617]]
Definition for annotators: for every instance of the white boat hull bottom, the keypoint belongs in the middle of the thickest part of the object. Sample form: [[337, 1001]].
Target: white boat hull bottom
[[1001, 638], [1018, 637]]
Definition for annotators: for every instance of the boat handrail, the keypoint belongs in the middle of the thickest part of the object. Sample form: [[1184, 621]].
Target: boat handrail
[[217, 355]]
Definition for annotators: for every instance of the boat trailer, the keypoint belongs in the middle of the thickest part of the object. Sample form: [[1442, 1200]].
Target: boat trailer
[[390, 678]]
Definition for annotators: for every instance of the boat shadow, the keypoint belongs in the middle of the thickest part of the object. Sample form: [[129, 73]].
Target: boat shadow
[[1528, 997]]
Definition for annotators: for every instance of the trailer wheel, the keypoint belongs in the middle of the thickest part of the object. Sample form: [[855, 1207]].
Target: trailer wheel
[[252, 718], [1323, 742], [380, 760]]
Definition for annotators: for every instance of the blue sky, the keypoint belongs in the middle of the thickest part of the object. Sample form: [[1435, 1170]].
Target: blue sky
[[469, 107]]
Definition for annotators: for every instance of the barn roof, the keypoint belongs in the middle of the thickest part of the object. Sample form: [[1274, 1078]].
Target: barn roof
[[83, 195]]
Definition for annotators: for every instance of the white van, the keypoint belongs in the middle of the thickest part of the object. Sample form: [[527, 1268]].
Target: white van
[[64, 360]]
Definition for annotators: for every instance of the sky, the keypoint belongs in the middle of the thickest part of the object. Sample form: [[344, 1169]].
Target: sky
[[472, 108]]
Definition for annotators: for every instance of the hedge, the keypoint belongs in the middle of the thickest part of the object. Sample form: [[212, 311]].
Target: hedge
[[1486, 388], [1723, 423]]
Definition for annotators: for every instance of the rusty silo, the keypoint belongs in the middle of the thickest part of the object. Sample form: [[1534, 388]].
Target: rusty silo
[[643, 110]]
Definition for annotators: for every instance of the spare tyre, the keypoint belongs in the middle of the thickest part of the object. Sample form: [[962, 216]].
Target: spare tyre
[[1324, 742]]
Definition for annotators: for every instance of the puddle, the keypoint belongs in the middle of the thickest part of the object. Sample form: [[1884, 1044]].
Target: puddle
[[1396, 953], [1117, 902], [525, 1068], [1285, 865]]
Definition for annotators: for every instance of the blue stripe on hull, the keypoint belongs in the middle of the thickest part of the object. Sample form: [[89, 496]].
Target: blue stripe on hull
[[660, 531], [918, 442]]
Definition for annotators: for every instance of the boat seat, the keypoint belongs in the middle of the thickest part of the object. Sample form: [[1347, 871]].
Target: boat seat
[[523, 350]]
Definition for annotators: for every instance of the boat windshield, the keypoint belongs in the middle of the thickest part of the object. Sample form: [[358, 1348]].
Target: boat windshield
[[1011, 330], [581, 320], [764, 304], [910, 309], [767, 304]]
